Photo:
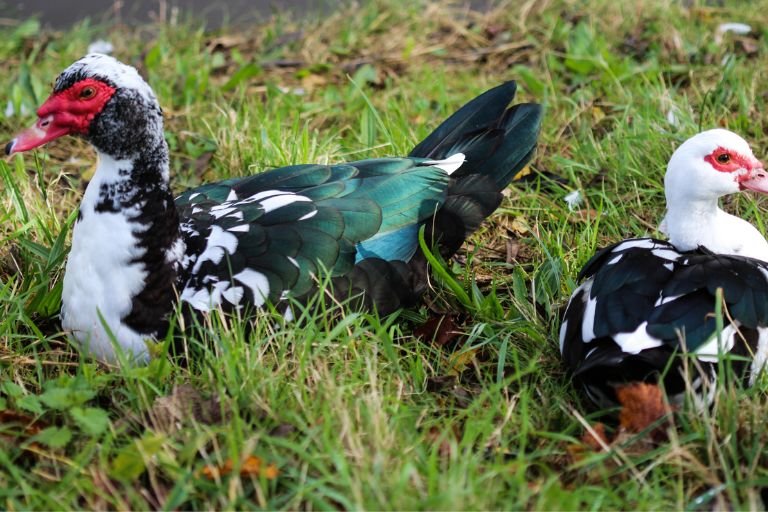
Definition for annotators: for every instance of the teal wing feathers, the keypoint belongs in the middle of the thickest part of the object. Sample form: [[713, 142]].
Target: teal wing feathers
[[254, 239]]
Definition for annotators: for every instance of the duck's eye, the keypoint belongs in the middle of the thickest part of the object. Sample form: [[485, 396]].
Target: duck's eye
[[723, 158], [90, 92]]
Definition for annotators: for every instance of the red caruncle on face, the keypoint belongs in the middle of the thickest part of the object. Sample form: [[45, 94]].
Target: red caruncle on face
[[728, 160], [76, 106]]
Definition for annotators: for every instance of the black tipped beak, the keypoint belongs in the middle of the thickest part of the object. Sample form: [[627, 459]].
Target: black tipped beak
[[9, 147]]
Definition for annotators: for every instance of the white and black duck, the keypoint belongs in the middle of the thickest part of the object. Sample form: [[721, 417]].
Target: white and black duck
[[246, 241], [645, 304]]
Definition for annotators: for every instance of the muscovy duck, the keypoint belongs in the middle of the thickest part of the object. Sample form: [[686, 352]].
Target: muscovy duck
[[646, 303], [246, 241]]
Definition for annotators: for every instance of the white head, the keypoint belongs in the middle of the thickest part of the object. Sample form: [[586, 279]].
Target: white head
[[712, 164]]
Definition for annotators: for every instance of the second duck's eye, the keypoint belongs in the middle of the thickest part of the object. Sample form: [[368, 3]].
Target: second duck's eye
[[87, 93], [723, 158]]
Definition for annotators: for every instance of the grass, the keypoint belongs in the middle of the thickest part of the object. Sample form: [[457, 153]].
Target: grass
[[358, 412]]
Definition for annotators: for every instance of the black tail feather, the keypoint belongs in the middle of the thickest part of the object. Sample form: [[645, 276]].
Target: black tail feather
[[497, 143], [480, 113]]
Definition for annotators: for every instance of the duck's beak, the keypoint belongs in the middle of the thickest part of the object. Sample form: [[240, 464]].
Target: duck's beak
[[756, 180], [44, 130]]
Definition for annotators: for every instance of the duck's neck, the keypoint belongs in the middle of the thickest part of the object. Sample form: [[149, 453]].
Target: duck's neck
[[125, 249], [699, 222]]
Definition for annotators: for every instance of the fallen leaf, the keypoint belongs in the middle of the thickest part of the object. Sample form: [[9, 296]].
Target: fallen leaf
[[460, 362], [30, 425], [443, 442], [583, 215], [519, 226], [522, 173], [441, 330], [642, 405], [598, 114], [225, 41], [512, 249], [447, 386], [184, 404], [251, 466], [282, 430], [749, 45], [595, 439], [440, 383], [313, 81]]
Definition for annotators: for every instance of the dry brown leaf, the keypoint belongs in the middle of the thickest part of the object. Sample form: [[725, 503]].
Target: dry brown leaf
[[748, 45], [226, 41], [282, 430], [598, 114], [512, 246], [184, 404], [592, 440], [460, 362], [251, 466], [444, 444], [583, 215], [30, 425], [595, 439], [519, 227], [441, 330], [642, 405], [313, 81]]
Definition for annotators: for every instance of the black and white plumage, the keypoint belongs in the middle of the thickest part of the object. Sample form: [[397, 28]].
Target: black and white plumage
[[645, 305], [244, 242]]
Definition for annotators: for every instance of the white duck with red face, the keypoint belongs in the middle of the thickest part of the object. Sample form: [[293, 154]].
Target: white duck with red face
[[644, 302], [704, 168]]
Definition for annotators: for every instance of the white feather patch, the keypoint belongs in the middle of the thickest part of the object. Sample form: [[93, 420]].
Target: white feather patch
[[219, 242], [273, 203], [563, 329], [666, 254], [588, 322], [450, 164], [233, 295], [257, 282], [198, 299], [641, 243], [761, 356], [308, 215], [664, 300], [711, 350], [262, 195], [636, 341], [176, 251]]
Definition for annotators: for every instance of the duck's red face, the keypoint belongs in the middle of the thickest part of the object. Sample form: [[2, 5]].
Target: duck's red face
[[747, 170], [67, 111]]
